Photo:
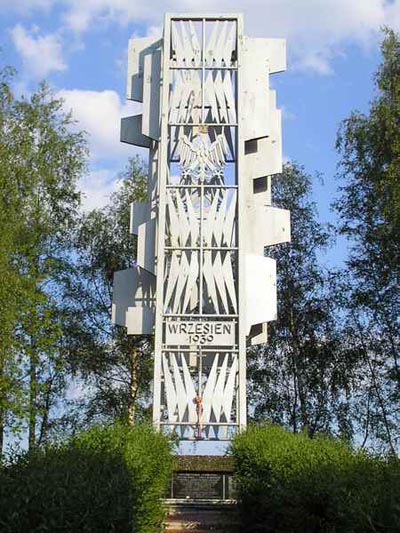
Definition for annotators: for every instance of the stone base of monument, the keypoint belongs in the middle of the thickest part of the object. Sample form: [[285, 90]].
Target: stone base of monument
[[202, 495]]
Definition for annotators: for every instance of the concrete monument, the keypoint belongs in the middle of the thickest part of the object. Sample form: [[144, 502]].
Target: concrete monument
[[202, 285]]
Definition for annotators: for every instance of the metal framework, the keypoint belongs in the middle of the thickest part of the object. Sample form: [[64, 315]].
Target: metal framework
[[202, 284]]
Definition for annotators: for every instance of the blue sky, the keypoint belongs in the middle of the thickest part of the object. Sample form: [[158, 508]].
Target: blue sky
[[80, 48]]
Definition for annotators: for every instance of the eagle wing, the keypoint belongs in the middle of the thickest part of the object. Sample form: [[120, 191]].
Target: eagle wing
[[187, 152]]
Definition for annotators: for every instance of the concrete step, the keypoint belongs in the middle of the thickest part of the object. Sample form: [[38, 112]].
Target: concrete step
[[201, 516]]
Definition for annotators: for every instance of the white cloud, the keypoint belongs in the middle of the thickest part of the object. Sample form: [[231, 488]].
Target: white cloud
[[25, 7], [99, 114], [40, 54], [97, 187], [317, 31]]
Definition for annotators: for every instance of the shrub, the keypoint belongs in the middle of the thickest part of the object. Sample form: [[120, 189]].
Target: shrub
[[293, 483], [105, 479]]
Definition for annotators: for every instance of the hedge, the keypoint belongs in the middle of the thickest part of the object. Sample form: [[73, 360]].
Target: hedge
[[291, 483], [108, 478]]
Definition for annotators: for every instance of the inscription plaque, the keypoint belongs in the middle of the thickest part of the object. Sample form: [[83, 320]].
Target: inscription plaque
[[200, 333], [198, 485]]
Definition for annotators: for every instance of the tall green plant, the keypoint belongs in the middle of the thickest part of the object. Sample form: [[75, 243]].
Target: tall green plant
[[115, 367], [41, 159], [110, 478], [302, 376], [369, 216], [293, 483]]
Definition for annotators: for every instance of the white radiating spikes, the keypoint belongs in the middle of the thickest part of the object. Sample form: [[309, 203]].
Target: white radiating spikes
[[230, 389], [229, 280], [209, 390], [177, 44], [220, 95], [210, 96], [230, 99], [173, 222], [171, 280], [181, 395], [193, 221], [184, 225], [210, 46], [229, 45], [191, 282], [170, 391], [190, 391], [220, 282], [210, 280], [219, 219], [182, 282], [220, 45], [210, 220], [229, 223], [195, 44], [187, 45], [218, 395]]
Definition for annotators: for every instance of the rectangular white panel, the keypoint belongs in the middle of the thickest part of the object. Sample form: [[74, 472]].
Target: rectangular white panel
[[276, 51], [266, 226], [131, 132], [140, 212], [140, 321], [132, 287], [147, 245], [136, 55], [255, 104], [264, 155], [151, 95], [196, 333], [260, 284]]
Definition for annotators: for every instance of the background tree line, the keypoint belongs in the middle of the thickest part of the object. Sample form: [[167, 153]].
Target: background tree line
[[331, 364]]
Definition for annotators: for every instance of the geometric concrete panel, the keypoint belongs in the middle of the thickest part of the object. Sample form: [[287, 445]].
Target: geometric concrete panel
[[131, 132], [266, 226], [140, 320], [147, 245], [151, 95], [134, 86], [132, 287], [260, 290], [276, 51], [140, 212], [255, 89], [261, 193], [258, 334], [263, 156]]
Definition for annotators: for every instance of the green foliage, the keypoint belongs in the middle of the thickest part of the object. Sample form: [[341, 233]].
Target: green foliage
[[293, 483], [117, 367], [300, 379], [109, 478], [41, 160], [369, 216]]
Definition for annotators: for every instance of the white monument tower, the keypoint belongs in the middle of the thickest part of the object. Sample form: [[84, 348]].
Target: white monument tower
[[202, 285]]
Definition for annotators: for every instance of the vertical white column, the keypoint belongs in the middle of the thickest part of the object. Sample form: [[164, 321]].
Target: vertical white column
[[162, 181], [242, 404]]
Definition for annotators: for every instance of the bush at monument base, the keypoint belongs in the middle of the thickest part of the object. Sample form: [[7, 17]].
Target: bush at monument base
[[105, 479], [291, 483]]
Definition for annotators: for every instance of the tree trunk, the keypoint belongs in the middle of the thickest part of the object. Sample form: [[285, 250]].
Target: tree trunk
[[2, 424], [32, 402], [133, 386], [44, 426]]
